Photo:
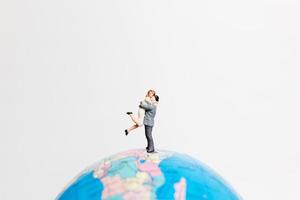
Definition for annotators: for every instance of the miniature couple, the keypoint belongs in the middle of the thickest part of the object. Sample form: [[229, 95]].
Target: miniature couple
[[146, 115]]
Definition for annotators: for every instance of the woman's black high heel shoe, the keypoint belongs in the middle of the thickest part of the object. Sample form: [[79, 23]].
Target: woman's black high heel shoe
[[129, 113]]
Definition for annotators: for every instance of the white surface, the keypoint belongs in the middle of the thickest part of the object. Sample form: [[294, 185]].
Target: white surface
[[227, 73]]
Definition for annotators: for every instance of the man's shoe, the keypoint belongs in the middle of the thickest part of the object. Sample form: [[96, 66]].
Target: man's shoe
[[152, 151], [126, 132], [147, 148], [129, 113]]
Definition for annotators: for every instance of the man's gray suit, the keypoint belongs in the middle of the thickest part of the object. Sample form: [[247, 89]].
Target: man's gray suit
[[150, 112]]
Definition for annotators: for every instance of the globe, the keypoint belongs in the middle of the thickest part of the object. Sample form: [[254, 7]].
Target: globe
[[138, 175]]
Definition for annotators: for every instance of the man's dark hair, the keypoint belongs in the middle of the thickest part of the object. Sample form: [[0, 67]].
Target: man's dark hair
[[157, 98]]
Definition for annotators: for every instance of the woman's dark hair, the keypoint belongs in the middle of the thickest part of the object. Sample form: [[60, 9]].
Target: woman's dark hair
[[157, 98]]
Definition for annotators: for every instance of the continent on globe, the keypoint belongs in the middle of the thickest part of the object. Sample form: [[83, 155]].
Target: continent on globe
[[138, 175]]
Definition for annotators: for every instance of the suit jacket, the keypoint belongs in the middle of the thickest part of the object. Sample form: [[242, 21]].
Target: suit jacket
[[150, 112]]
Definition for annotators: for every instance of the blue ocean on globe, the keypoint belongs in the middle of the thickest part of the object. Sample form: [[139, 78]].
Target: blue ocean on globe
[[138, 175]]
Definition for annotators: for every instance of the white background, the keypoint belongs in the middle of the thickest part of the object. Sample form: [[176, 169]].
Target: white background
[[227, 73]]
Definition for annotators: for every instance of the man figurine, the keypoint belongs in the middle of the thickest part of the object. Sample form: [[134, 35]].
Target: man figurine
[[150, 112]]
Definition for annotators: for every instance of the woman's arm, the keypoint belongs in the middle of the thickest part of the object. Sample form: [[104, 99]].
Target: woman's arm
[[147, 99]]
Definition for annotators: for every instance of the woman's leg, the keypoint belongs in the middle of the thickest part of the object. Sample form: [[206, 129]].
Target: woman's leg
[[132, 128], [135, 120]]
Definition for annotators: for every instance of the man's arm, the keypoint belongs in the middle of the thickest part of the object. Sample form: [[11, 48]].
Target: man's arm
[[147, 106]]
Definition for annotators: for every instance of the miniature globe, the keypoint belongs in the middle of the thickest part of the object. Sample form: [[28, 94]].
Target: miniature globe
[[138, 175]]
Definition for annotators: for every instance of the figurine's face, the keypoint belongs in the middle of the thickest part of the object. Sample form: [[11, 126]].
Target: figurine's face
[[151, 93]]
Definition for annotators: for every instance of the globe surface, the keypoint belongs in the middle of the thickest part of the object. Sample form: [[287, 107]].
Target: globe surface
[[138, 175]]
